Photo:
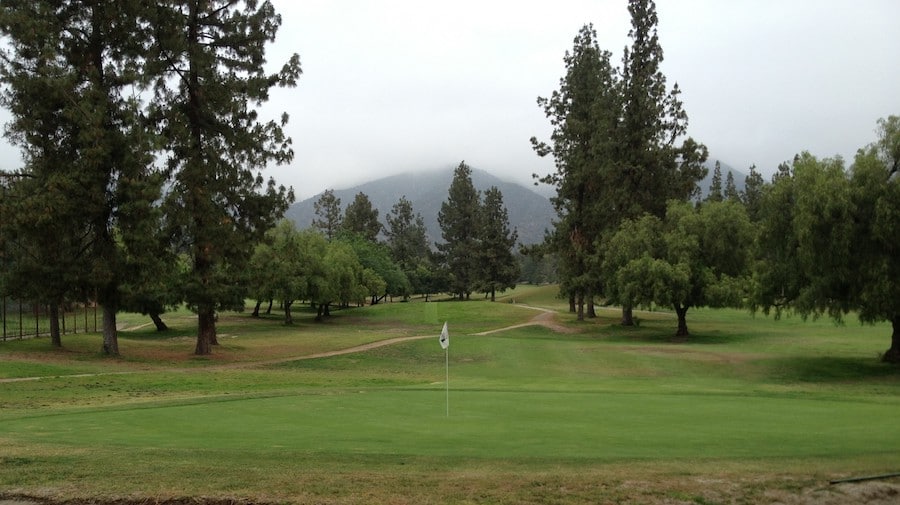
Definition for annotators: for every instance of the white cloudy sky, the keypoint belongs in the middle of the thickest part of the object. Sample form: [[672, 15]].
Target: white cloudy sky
[[391, 86]]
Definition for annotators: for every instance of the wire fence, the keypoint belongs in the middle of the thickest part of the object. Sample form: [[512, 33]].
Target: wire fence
[[22, 320]]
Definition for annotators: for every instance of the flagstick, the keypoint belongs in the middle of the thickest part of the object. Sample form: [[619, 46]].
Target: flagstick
[[447, 382]]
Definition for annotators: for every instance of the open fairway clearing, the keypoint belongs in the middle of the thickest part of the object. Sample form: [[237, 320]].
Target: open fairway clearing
[[747, 411]]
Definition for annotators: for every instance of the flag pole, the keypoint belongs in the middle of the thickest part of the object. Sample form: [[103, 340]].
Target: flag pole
[[445, 344], [447, 382]]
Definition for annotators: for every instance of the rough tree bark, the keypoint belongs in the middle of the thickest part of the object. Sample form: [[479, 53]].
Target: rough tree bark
[[158, 322], [627, 316], [110, 333], [892, 355], [681, 311], [55, 339], [206, 329], [288, 317]]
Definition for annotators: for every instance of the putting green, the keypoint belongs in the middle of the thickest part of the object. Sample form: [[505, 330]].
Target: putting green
[[487, 424]]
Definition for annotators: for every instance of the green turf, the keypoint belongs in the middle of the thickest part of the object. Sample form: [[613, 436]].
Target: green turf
[[743, 395]]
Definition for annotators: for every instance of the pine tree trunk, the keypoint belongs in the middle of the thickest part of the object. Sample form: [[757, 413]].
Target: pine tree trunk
[[269, 309], [627, 316], [892, 355], [591, 311], [206, 330], [288, 317], [55, 339], [581, 306], [110, 333], [160, 325], [493, 292], [256, 309], [681, 311]]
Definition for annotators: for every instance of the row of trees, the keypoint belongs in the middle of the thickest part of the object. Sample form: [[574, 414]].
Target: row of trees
[[343, 260], [142, 152], [820, 239]]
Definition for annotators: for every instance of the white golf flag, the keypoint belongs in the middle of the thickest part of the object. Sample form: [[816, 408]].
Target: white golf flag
[[445, 337]]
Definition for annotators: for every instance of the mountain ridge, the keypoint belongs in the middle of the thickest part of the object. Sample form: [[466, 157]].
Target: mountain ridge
[[530, 213]]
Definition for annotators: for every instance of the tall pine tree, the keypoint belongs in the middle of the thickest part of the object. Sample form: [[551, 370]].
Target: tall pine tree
[[584, 114], [214, 54], [655, 162], [499, 267], [361, 218], [458, 219], [72, 70]]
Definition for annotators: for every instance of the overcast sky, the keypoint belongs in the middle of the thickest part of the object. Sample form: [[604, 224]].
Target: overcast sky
[[402, 85]]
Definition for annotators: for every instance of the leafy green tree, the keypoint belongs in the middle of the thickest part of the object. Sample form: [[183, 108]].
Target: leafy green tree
[[694, 257], [289, 265], [345, 277], [499, 268], [715, 184], [584, 113], [219, 206], [458, 219], [361, 218], [328, 214], [828, 241], [72, 71], [375, 258]]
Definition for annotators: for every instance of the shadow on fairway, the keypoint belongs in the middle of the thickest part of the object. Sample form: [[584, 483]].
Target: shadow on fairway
[[655, 332], [832, 369]]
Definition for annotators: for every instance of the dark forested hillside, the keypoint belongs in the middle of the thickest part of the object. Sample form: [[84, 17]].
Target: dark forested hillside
[[529, 212]]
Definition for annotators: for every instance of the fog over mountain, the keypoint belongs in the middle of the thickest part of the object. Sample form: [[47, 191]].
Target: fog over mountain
[[530, 213]]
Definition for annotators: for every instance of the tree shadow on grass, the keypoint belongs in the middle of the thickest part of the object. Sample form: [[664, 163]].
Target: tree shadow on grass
[[832, 369], [662, 333]]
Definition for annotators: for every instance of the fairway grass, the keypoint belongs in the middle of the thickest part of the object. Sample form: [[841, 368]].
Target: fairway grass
[[748, 410]]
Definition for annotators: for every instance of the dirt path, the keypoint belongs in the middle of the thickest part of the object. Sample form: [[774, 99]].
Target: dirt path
[[546, 318]]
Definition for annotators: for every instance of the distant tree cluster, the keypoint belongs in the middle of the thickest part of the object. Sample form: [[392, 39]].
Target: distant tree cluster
[[477, 253], [819, 239]]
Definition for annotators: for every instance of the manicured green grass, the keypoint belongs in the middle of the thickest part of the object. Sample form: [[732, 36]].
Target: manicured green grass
[[536, 416]]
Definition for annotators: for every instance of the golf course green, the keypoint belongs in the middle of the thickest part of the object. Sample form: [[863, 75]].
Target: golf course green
[[546, 410]]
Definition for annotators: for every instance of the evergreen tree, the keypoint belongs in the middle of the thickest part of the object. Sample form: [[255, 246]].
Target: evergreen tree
[[328, 214], [499, 267], [731, 191], [584, 113], [751, 196], [715, 184], [72, 71], [408, 243], [361, 218], [651, 167], [219, 206], [458, 219]]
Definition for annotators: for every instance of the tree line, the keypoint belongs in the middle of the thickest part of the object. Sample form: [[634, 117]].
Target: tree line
[[342, 259], [819, 239], [142, 185], [142, 150]]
